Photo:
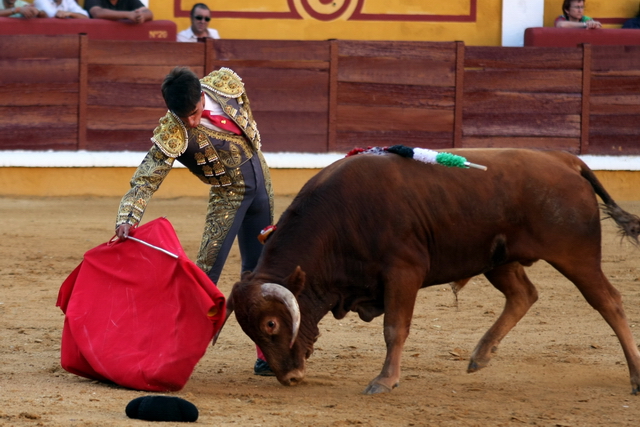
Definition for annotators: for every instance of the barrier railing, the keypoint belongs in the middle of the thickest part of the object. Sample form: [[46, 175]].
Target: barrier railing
[[70, 92]]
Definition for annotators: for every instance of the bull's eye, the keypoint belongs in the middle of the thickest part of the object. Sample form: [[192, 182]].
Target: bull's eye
[[271, 326]]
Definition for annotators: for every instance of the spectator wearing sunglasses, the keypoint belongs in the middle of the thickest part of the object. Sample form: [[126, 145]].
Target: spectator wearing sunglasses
[[199, 29]]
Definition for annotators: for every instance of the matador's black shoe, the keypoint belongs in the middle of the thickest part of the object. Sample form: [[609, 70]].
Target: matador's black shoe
[[262, 368]]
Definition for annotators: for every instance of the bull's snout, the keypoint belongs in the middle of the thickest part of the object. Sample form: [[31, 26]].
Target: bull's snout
[[292, 377]]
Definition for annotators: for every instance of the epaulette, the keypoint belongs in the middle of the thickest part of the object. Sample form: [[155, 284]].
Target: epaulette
[[170, 136], [224, 82]]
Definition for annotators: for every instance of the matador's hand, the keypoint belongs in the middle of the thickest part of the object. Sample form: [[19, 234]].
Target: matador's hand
[[122, 232]]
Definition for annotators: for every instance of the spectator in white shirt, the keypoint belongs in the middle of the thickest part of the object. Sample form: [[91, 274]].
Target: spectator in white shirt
[[61, 9], [200, 17]]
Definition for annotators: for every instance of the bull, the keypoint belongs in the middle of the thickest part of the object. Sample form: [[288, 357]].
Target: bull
[[368, 231]]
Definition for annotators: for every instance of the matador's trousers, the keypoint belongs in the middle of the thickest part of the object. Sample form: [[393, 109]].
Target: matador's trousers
[[241, 209]]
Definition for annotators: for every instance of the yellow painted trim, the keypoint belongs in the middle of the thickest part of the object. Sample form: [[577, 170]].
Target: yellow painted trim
[[621, 185], [49, 182]]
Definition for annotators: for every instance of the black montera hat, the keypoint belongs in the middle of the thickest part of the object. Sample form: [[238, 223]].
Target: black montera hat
[[162, 408]]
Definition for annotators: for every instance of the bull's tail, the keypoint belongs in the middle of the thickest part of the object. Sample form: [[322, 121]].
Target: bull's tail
[[628, 224]]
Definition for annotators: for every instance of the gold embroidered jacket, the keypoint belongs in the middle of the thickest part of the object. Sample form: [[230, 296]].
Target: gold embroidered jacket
[[214, 157]]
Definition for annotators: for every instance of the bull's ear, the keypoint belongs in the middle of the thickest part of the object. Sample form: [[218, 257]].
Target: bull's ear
[[295, 282], [245, 276]]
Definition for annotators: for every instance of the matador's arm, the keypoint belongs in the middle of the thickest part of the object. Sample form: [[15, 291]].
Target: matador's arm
[[145, 181]]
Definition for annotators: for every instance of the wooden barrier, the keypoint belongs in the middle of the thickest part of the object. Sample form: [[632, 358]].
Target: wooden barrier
[[121, 91], [401, 92], [573, 37], [288, 85], [71, 92], [95, 29], [523, 97], [39, 92]]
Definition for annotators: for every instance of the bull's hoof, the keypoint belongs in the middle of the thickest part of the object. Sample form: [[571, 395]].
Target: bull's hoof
[[635, 390], [475, 366], [375, 388]]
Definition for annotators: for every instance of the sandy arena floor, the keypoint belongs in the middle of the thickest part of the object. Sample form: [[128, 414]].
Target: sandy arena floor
[[561, 366]]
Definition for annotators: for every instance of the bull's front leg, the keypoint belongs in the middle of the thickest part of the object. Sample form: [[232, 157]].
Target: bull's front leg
[[397, 322]]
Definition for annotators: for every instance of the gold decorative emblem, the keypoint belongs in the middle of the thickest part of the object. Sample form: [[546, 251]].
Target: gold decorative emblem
[[170, 136], [242, 121], [210, 154], [218, 169], [224, 82], [140, 204], [200, 160], [231, 112], [203, 141], [250, 132]]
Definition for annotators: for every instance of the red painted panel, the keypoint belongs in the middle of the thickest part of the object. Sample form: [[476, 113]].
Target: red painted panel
[[572, 37], [94, 28]]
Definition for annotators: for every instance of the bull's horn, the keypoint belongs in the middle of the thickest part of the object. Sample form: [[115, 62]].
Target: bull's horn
[[288, 299]]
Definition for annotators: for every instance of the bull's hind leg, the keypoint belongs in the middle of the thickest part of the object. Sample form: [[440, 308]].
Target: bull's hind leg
[[602, 296], [520, 294]]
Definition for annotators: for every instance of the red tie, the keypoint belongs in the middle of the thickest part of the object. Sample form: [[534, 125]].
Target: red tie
[[222, 122]]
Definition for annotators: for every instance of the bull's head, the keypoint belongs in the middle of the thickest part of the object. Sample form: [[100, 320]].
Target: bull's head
[[270, 315]]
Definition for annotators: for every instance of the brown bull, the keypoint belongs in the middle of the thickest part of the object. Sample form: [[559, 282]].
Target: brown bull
[[367, 232]]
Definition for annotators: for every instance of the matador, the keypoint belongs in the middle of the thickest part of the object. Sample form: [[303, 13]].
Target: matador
[[210, 129]]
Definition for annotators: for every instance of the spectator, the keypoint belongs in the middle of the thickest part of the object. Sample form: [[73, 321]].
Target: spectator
[[61, 9], [20, 9], [633, 22], [200, 17], [116, 10], [573, 16]]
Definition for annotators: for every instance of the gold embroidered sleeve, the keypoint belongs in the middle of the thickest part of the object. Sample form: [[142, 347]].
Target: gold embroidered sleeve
[[145, 181]]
